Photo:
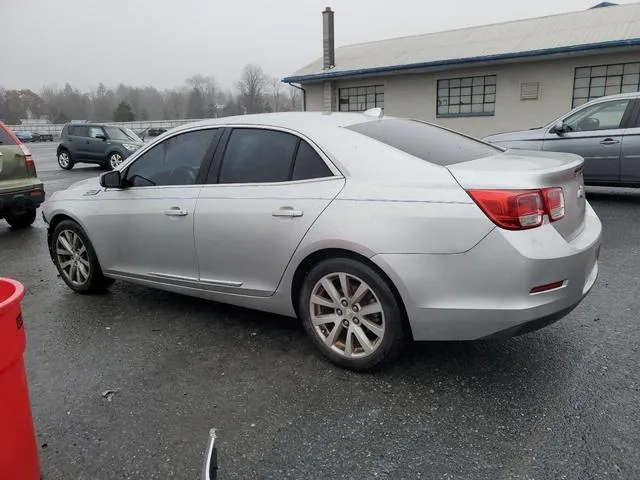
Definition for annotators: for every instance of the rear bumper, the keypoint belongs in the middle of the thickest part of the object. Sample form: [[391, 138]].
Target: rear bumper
[[22, 200], [484, 293]]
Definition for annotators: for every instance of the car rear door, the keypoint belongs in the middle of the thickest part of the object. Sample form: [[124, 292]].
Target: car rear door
[[595, 133], [78, 142], [630, 165], [265, 190]]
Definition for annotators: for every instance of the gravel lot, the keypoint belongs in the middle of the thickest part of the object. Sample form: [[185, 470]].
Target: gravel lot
[[561, 403]]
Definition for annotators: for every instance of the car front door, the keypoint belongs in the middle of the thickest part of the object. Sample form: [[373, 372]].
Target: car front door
[[263, 194], [96, 147], [145, 229], [630, 166], [595, 133]]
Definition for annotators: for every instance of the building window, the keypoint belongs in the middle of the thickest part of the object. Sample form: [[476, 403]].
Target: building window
[[467, 97], [359, 99], [601, 80]]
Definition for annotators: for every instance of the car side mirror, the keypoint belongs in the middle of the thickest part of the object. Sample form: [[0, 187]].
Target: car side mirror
[[111, 179], [559, 128], [101, 137]]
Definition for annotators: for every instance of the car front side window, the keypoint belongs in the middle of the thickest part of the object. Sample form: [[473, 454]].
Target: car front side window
[[94, 132], [175, 161], [601, 116]]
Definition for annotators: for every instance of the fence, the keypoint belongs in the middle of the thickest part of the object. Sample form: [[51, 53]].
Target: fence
[[137, 126]]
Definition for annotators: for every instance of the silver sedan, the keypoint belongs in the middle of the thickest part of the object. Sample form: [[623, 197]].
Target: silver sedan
[[372, 230]]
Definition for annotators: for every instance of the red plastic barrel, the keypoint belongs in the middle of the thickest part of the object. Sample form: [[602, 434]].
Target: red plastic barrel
[[18, 449]]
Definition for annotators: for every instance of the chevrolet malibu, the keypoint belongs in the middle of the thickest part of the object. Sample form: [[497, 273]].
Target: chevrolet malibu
[[372, 230]]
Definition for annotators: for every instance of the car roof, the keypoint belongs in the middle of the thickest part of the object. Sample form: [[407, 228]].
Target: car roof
[[307, 123]]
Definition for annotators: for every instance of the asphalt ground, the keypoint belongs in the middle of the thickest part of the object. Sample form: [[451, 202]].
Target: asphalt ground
[[560, 403]]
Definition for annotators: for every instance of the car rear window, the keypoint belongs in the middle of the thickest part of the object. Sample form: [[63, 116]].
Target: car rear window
[[5, 138], [428, 142]]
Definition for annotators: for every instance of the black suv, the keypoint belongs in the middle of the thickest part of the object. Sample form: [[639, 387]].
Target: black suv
[[106, 145]]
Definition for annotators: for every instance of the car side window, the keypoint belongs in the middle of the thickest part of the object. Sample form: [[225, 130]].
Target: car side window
[[175, 161], [309, 164], [601, 116], [78, 131], [95, 131]]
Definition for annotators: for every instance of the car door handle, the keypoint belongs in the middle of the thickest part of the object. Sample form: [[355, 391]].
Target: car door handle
[[176, 212], [287, 212], [609, 141]]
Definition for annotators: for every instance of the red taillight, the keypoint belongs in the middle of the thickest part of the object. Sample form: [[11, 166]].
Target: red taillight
[[28, 160], [520, 209]]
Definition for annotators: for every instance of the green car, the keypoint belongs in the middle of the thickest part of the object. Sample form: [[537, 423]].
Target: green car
[[21, 193]]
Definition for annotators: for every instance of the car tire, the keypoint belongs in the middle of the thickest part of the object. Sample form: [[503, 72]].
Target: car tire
[[383, 327], [65, 161], [21, 220], [70, 243], [114, 159]]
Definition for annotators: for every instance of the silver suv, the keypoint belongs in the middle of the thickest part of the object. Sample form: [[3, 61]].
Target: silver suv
[[605, 131]]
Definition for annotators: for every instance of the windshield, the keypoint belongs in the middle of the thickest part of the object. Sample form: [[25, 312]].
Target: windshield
[[124, 134]]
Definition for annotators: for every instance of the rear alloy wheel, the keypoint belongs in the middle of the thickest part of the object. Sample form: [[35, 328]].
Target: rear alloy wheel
[[22, 220], [351, 314], [64, 160], [76, 260], [115, 159]]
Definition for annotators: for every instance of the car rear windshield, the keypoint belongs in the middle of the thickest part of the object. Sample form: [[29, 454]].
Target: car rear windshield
[[428, 142], [5, 138]]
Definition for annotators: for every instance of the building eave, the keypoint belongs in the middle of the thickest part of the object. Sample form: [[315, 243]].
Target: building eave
[[461, 62]]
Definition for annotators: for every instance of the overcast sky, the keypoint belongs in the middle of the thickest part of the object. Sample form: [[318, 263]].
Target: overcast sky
[[162, 42]]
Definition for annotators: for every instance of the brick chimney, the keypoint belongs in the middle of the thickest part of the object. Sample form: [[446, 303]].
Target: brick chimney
[[328, 40]]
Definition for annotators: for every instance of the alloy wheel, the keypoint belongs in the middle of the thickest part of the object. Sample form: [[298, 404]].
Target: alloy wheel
[[73, 257], [347, 315]]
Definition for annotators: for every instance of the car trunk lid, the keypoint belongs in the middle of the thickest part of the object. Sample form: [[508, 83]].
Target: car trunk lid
[[13, 164], [527, 170]]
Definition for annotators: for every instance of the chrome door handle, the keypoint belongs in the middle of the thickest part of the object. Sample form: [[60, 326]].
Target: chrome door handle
[[609, 141], [287, 212], [176, 212]]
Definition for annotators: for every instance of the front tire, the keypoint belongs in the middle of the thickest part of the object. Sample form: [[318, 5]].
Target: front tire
[[76, 260], [64, 160], [351, 314], [21, 220]]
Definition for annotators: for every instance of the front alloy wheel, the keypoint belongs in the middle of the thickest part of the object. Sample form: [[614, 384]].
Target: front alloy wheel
[[115, 159], [352, 314], [75, 259]]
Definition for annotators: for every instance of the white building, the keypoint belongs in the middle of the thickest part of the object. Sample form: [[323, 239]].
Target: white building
[[486, 79]]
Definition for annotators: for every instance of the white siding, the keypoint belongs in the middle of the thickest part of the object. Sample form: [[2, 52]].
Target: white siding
[[414, 95]]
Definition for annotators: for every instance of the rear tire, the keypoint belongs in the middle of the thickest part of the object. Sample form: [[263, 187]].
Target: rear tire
[[359, 329], [21, 220], [64, 160], [75, 259], [114, 159]]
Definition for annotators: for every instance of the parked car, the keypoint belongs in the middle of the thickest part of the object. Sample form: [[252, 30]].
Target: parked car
[[154, 132], [95, 143], [605, 131], [24, 136], [373, 230], [21, 192], [42, 137]]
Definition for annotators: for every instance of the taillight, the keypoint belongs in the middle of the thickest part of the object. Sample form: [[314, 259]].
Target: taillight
[[554, 199], [520, 209], [28, 160]]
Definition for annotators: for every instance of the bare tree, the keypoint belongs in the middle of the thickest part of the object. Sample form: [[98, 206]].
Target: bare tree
[[251, 86]]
